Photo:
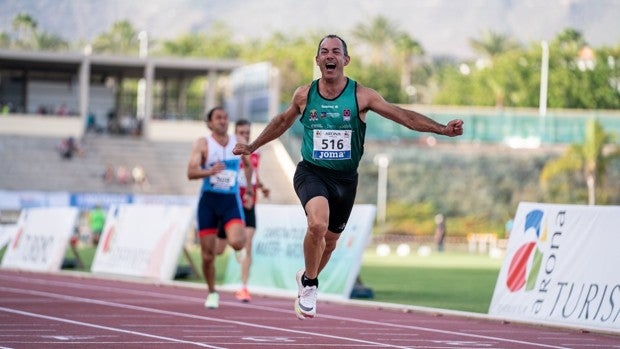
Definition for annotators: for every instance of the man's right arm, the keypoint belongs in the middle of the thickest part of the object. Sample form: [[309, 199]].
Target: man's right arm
[[278, 125]]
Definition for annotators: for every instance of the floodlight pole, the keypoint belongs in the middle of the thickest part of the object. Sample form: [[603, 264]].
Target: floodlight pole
[[544, 79], [382, 161]]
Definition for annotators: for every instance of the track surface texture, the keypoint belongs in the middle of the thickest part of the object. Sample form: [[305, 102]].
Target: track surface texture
[[66, 310]]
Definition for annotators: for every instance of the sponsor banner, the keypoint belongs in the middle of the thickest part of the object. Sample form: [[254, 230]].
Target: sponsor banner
[[40, 239], [91, 200], [142, 240], [277, 251], [561, 267], [189, 200], [16, 200]]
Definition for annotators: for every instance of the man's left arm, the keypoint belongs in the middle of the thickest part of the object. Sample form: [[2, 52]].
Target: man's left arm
[[408, 118]]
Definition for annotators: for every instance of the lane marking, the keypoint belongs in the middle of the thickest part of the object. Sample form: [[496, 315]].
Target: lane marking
[[101, 327], [258, 307], [173, 313]]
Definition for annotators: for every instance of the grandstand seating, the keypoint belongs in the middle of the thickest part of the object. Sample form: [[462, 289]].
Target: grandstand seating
[[33, 162]]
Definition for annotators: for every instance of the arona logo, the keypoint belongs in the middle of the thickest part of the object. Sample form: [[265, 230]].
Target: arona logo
[[526, 262]]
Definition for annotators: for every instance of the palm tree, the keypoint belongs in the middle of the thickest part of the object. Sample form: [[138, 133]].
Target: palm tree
[[25, 28], [408, 49], [29, 37], [122, 38], [589, 158], [493, 44], [379, 34]]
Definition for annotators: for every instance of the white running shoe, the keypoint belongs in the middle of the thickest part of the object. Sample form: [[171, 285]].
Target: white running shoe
[[213, 301], [305, 304]]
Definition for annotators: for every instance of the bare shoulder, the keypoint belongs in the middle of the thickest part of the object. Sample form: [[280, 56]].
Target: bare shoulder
[[200, 144], [368, 98], [300, 99], [301, 93], [303, 89]]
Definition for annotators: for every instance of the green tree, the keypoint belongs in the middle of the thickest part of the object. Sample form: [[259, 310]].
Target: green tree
[[379, 36], [408, 50], [5, 40], [292, 55], [493, 44], [121, 39], [575, 80], [214, 43], [589, 160], [25, 31], [50, 42], [27, 36]]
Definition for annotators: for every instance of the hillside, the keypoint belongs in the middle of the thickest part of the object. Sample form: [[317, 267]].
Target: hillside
[[443, 27]]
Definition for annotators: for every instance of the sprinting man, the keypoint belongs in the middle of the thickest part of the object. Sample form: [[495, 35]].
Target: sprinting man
[[213, 161], [333, 113]]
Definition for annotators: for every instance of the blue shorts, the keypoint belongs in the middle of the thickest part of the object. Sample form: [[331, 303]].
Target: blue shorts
[[215, 209], [250, 221]]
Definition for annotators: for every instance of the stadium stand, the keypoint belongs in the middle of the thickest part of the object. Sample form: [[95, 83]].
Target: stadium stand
[[32, 162]]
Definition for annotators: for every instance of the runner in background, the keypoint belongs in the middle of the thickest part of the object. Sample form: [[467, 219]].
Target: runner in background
[[242, 131], [213, 162]]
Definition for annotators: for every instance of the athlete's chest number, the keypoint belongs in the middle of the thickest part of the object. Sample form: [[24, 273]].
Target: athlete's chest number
[[332, 144]]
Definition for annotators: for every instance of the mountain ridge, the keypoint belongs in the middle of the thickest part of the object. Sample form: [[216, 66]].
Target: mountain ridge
[[443, 27]]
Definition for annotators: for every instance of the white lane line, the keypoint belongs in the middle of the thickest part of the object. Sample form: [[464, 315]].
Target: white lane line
[[172, 313], [264, 308], [114, 329]]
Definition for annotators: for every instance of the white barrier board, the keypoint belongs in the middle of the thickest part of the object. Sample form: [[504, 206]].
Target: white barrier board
[[40, 239], [142, 240], [562, 267], [277, 251]]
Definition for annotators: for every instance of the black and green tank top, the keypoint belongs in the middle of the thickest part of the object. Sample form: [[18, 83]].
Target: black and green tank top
[[333, 131]]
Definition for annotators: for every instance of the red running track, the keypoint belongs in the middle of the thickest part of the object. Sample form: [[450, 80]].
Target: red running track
[[69, 310]]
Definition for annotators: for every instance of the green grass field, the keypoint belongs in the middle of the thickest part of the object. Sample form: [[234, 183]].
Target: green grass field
[[448, 280]]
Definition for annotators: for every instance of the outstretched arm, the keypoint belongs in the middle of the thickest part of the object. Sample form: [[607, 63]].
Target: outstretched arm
[[370, 100], [278, 125]]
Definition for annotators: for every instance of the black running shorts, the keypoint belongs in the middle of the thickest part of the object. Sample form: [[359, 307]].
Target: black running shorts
[[339, 188]]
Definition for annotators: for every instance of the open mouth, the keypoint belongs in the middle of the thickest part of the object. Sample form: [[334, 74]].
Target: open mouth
[[330, 66]]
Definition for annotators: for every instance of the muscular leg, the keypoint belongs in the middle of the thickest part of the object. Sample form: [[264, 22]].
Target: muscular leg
[[247, 260], [207, 248], [235, 233], [220, 246], [330, 245], [317, 214]]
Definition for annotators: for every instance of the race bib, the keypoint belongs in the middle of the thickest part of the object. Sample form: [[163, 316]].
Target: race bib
[[224, 180], [331, 145]]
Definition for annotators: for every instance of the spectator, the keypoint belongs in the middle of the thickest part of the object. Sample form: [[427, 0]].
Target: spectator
[[108, 174], [96, 221], [139, 176], [440, 231], [62, 110], [122, 175], [69, 147]]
